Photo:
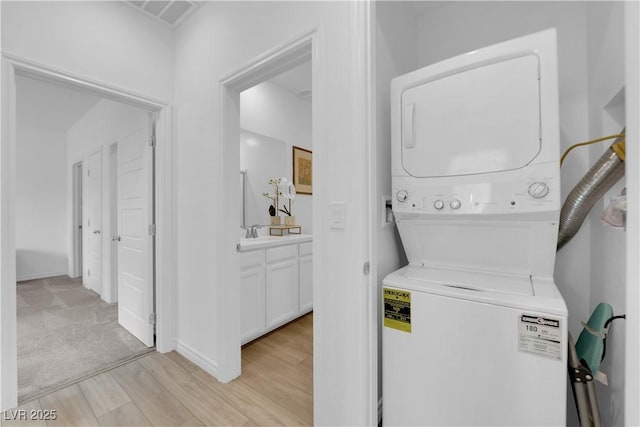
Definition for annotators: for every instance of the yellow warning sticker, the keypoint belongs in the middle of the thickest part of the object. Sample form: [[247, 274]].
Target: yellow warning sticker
[[397, 309]]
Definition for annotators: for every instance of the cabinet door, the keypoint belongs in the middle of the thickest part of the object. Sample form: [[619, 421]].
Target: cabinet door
[[253, 321], [282, 292], [306, 283]]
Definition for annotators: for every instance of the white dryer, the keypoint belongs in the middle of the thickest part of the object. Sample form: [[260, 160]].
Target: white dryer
[[475, 330]]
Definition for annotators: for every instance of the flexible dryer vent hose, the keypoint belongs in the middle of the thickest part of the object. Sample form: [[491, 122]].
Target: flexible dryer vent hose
[[599, 179]]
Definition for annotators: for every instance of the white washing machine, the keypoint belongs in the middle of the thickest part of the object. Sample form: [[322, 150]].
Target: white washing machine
[[475, 330]]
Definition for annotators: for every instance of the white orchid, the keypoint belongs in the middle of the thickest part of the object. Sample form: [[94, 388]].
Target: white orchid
[[282, 188], [288, 191], [273, 196]]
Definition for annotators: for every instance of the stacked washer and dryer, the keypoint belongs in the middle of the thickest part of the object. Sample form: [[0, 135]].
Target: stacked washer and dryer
[[475, 330]]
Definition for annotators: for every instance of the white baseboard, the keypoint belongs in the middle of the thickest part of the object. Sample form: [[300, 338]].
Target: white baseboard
[[39, 276], [108, 301], [210, 366]]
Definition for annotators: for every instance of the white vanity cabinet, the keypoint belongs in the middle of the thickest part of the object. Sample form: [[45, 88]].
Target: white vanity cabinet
[[305, 268], [252, 283], [281, 285], [276, 286]]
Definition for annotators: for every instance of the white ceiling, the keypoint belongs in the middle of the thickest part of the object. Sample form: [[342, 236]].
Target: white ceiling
[[49, 105], [296, 80]]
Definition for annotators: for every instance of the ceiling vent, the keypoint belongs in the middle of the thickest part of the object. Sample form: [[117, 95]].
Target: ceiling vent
[[171, 13]]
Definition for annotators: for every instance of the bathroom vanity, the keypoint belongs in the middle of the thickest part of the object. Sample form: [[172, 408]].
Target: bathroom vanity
[[277, 282]]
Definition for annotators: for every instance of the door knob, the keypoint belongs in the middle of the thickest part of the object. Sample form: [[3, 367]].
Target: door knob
[[96, 231], [115, 239]]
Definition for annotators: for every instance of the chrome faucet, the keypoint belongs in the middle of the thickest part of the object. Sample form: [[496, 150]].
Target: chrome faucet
[[252, 231]]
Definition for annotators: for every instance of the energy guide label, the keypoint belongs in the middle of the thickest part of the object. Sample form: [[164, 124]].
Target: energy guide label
[[540, 335], [397, 309]]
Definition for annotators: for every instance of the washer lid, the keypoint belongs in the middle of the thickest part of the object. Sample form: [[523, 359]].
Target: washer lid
[[478, 281], [474, 119], [531, 294]]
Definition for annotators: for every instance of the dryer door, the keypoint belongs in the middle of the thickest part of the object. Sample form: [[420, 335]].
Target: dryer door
[[473, 120]]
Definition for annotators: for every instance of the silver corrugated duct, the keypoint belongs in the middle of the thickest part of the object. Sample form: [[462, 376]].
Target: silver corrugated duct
[[601, 177]]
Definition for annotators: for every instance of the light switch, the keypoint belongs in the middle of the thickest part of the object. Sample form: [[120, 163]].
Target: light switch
[[336, 215]]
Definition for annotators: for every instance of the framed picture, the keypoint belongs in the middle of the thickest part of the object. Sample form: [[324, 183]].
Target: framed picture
[[302, 170]]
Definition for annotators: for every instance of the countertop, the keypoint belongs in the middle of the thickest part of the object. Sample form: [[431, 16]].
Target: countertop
[[246, 245]]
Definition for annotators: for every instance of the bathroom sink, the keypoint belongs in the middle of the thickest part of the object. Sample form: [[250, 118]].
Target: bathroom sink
[[269, 241]]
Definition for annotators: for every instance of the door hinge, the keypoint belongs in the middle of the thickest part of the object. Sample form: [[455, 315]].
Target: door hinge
[[152, 318], [152, 141], [88, 172], [366, 268], [152, 230]]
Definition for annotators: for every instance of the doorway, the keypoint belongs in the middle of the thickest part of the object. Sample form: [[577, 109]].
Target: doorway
[[12, 69], [276, 281], [261, 70], [69, 328]]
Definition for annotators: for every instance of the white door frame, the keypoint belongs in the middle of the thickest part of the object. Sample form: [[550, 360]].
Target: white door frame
[[365, 398], [261, 69], [165, 208], [112, 152], [76, 206], [365, 68]]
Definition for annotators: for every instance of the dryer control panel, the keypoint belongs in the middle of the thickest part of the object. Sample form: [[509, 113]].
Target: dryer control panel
[[533, 189]]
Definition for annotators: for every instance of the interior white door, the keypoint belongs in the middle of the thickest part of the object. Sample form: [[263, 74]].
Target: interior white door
[[135, 247], [93, 223]]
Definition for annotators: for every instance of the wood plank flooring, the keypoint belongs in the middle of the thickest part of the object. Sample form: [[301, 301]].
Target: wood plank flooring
[[275, 388]]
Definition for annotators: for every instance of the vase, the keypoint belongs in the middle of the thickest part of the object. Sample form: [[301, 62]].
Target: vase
[[290, 220], [275, 220]]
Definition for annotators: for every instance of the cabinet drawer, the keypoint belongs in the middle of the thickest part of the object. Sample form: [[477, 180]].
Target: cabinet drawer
[[306, 248], [251, 259], [281, 253]]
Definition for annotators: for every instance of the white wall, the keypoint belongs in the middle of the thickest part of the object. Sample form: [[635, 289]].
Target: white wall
[[206, 270], [632, 107], [273, 111], [606, 86], [41, 193], [104, 125], [396, 48], [102, 40]]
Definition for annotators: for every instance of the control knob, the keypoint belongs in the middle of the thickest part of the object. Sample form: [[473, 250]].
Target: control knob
[[402, 195], [538, 190], [438, 204], [455, 204]]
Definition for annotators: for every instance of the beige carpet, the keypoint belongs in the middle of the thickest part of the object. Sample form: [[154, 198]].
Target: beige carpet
[[66, 332]]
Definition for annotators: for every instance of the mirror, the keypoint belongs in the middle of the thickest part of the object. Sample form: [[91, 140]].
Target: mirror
[[261, 158]]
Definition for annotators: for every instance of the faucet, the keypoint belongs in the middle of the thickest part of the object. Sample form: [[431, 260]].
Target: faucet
[[252, 231]]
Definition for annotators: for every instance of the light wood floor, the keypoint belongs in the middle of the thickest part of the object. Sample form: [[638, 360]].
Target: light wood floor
[[275, 388]]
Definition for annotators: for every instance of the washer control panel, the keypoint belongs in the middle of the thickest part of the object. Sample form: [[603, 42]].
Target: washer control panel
[[527, 193]]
